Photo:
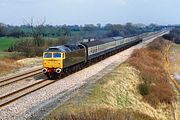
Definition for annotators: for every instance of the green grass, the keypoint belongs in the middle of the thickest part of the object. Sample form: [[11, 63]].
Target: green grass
[[6, 42], [4, 54]]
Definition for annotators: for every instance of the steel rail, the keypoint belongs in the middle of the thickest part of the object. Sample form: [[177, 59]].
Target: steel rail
[[6, 99], [19, 77]]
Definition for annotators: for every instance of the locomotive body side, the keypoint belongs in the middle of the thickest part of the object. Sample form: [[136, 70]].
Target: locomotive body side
[[74, 57]]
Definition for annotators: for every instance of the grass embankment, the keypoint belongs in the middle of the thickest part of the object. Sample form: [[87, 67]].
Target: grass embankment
[[136, 90], [150, 62], [174, 70], [174, 57]]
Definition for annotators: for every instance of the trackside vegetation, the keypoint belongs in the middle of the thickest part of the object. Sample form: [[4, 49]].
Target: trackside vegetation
[[136, 90], [155, 86], [33, 39]]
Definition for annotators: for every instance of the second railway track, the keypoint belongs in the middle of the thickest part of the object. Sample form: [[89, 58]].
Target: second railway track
[[6, 99], [19, 77]]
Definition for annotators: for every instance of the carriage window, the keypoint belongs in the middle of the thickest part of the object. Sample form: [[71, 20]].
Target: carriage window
[[91, 50], [48, 55], [57, 55]]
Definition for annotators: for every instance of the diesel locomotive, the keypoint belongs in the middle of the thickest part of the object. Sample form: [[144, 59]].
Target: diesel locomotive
[[59, 60]]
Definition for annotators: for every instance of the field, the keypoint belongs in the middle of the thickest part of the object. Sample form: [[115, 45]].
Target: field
[[6, 42]]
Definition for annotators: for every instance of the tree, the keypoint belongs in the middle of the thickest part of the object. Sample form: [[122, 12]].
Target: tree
[[66, 31], [89, 27], [113, 30], [99, 26], [2, 29], [37, 33], [16, 32]]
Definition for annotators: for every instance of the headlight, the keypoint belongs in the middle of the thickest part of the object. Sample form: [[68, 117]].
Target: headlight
[[44, 70], [58, 70]]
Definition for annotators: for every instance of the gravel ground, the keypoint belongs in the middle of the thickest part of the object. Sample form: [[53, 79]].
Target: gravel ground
[[39, 103]]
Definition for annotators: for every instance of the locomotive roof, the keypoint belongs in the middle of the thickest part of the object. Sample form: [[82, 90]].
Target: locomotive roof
[[93, 43], [64, 48]]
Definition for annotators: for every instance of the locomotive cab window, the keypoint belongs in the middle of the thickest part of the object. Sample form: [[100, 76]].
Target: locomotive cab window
[[48, 55], [57, 55]]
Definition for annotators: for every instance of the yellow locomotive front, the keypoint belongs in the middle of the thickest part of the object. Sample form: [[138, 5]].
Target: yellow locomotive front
[[59, 60], [53, 63]]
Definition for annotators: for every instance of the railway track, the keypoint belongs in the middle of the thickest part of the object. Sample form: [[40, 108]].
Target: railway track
[[6, 99], [16, 78]]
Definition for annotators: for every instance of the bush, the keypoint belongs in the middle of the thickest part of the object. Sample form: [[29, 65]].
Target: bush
[[144, 89], [174, 35], [26, 47], [149, 61], [158, 44]]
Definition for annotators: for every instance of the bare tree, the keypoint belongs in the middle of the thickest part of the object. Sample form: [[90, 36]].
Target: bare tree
[[36, 44], [37, 31], [2, 29]]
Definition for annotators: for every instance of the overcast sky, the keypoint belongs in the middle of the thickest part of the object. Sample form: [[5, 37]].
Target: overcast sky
[[58, 12]]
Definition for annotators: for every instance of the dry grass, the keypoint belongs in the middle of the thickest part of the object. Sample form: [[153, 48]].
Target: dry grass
[[150, 62], [94, 113], [36, 61], [174, 57], [7, 65]]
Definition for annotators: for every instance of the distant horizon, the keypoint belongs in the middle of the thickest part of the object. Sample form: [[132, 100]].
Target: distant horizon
[[80, 12], [35, 23]]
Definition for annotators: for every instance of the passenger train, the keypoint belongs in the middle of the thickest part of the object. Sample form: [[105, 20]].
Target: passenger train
[[65, 59]]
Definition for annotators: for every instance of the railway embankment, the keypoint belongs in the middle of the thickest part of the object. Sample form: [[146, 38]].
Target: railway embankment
[[140, 88], [173, 59]]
